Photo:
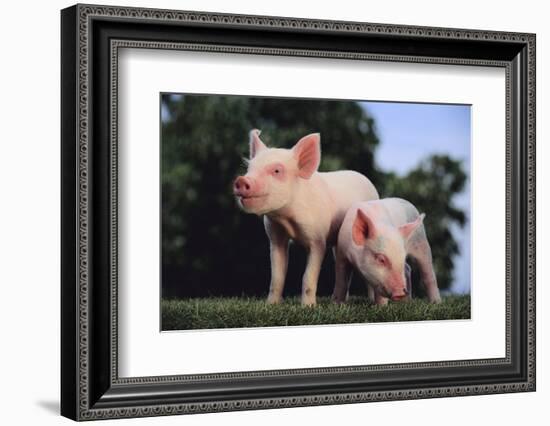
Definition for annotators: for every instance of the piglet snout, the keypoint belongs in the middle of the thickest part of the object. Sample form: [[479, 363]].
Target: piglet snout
[[243, 186], [396, 296]]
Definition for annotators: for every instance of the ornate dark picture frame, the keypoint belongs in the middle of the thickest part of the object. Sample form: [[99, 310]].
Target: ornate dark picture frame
[[90, 386]]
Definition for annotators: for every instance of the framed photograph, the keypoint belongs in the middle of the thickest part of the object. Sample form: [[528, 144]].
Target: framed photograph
[[263, 212]]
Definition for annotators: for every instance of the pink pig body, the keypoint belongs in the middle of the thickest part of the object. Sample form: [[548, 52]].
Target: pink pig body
[[298, 203], [375, 238]]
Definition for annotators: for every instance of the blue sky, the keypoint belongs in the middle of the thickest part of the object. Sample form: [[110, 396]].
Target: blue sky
[[410, 132]]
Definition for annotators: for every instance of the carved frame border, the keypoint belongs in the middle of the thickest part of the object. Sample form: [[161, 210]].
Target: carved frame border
[[85, 13]]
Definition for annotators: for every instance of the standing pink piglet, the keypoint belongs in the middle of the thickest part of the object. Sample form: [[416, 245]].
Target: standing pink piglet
[[298, 203], [375, 238]]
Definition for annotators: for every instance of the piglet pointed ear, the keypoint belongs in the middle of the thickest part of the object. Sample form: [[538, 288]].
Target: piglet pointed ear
[[256, 145], [308, 154], [407, 229], [363, 228]]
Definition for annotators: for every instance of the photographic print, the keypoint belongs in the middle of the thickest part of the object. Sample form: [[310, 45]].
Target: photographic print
[[291, 212]]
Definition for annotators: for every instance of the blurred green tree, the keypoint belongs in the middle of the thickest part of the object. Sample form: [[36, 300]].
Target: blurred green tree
[[210, 247]]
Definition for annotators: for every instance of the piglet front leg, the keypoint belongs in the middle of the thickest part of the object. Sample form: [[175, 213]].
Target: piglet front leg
[[278, 246], [279, 264], [311, 275], [380, 299]]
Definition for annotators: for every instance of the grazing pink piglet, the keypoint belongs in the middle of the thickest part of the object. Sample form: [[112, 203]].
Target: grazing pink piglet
[[298, 203], [375, 238]]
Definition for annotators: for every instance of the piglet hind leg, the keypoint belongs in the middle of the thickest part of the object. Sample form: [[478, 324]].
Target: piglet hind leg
[[311, 275], [408, 277], [430, 282], [419, 248], [343, 271]]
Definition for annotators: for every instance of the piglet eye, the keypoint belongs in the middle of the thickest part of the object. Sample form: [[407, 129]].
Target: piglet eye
[[276, 170], [381, 259]]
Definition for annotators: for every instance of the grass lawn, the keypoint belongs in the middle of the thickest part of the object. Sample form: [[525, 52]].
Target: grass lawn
[[179, 314]]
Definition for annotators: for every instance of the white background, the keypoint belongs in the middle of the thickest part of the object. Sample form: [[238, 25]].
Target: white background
[[29, 213], [146, 352]]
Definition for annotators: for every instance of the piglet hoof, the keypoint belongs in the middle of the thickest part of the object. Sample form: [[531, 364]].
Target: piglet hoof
[[308, 301], [274, 300], [337, 300], [434, 298], [382, 301]]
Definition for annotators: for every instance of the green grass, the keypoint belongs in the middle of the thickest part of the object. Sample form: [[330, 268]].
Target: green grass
[[185, 314]]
